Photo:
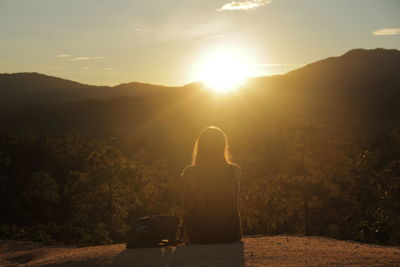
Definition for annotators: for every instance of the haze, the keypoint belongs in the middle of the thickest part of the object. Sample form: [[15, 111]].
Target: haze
[[161, 42]]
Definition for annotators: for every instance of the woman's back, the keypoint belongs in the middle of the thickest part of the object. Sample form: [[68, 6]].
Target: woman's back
[[210, 202]]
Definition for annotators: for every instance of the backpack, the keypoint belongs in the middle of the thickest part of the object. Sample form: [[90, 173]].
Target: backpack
[[154, 231]]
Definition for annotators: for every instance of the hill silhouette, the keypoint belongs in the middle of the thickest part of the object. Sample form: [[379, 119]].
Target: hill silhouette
[[22, 88], [361, 86]]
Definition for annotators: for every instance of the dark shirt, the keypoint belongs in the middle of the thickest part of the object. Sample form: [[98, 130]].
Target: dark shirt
[[211, 203]]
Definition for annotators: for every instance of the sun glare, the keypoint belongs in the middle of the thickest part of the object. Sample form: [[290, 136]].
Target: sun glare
[[224, 70]]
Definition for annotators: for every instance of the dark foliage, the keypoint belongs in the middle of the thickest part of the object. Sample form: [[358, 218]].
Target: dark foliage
[[74, 190], [319, 150]]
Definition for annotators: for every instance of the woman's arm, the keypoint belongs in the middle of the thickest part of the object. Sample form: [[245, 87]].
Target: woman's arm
[[187, 188], [236, 174]]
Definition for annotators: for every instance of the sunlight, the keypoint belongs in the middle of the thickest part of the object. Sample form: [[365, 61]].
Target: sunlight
[[224, 70]]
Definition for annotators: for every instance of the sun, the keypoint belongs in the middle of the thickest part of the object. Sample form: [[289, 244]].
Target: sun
[[224, 70]]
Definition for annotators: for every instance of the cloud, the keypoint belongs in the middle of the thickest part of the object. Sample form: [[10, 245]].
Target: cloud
[[109, 69], [387, 31], [244, 5], [98, 57], [64, 55], [80, 58]]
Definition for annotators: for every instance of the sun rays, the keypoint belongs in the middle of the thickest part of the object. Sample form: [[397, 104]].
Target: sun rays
[[224, 70]]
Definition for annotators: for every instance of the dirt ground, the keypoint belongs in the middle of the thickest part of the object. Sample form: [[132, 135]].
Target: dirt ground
[[252, 251]]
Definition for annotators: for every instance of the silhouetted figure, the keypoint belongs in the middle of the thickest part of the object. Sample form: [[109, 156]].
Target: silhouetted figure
[[211, 191]]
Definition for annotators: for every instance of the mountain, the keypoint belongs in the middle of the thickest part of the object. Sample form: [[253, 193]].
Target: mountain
[[361, 83], [354, 62], [22, 88], [361, 86]]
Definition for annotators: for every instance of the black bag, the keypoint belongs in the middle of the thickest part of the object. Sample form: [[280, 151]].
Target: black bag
[[154, 231]]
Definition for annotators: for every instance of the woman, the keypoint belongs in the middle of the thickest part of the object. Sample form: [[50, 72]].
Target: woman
[[211, 191]]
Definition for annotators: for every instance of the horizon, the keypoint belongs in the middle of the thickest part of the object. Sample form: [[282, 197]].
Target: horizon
[[193, 82], [102, 43], [107, 107]]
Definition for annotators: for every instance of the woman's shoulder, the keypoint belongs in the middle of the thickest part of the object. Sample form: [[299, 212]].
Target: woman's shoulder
[[236, 169], [189, 170]]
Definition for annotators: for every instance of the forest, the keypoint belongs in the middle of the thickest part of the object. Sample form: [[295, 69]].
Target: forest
[[76, 190], [317, 158]]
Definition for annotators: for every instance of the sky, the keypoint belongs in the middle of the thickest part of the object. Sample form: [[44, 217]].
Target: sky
[[108, 42]]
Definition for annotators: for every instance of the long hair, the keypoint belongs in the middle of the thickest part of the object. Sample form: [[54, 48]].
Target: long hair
[[211, 147]]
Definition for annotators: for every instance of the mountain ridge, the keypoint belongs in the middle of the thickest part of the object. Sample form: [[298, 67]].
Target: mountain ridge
[[26, 87], [325, 91]]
